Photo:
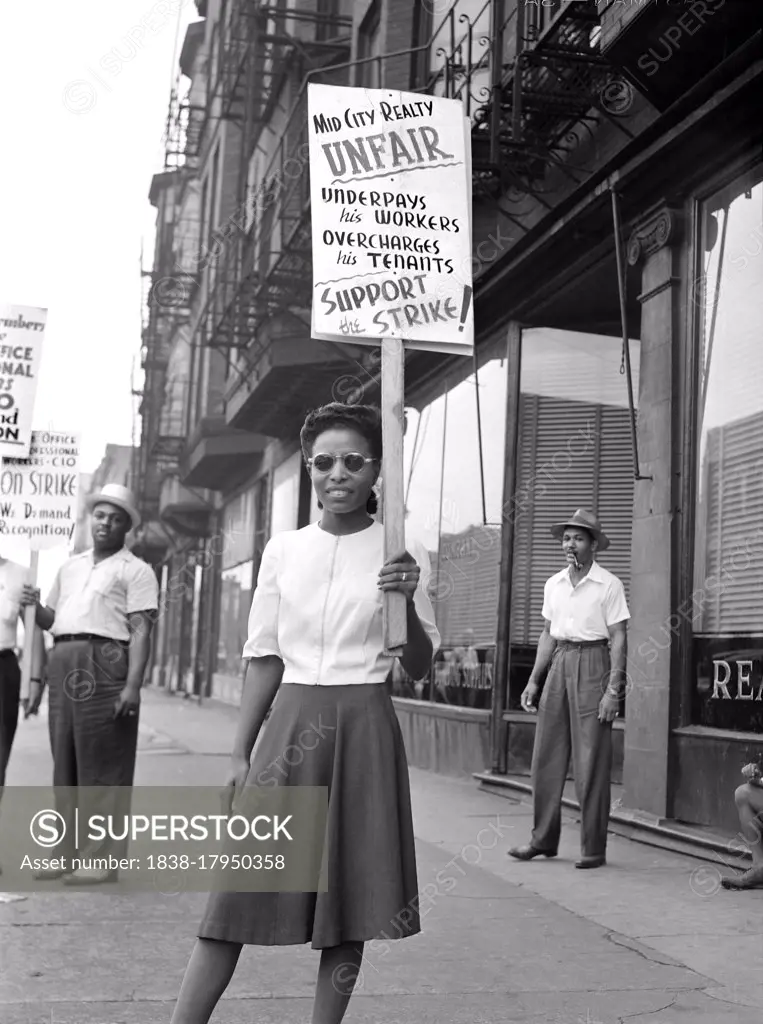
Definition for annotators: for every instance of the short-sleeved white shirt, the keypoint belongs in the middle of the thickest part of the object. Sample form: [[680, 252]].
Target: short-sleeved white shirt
[[318, 608], [584, 612], [12, 579], [96, 597]]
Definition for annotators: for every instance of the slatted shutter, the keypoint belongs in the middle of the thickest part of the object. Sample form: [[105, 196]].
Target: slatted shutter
[[729, 543], [572, 455], [521, 511], [469, 583], [615, 491]]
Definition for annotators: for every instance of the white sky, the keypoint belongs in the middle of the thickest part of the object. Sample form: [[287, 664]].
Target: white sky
[[83, 112]]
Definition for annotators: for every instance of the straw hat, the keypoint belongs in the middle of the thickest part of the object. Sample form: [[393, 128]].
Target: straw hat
[[116, 494], [587, 521]]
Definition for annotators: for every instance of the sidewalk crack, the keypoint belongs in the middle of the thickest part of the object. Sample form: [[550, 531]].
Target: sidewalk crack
[[649, 1013], [636, 947]]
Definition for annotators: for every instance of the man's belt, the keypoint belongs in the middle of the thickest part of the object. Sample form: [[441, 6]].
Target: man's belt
[[582, 643], [67, 638]]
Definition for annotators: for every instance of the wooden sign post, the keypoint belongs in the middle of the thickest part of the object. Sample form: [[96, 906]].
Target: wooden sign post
[[390, 205], [29, 632], [393, 390]]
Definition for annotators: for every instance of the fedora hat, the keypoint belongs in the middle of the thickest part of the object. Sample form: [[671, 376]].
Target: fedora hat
[[588, 521], [116, 494]]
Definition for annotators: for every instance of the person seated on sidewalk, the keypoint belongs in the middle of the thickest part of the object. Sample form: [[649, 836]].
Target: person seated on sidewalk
[[749, 801]]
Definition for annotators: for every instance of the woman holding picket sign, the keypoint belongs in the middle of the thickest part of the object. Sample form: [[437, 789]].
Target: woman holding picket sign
[[315, 651]]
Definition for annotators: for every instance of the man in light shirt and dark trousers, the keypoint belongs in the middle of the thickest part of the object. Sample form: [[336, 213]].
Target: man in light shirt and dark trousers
[[100, 611], [584, 641]]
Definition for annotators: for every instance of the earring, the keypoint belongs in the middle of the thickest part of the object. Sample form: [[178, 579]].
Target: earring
[[372, 505]]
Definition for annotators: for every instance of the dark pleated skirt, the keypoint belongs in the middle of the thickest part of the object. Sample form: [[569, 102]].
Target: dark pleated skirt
[[348, 739]]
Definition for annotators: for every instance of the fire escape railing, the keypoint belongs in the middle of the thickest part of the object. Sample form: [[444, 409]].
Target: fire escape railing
[[534, 86], [240, 293], [246, 60], [166, 308]]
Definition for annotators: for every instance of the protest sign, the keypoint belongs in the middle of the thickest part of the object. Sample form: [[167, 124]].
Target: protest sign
[[38, 508], [390, 198], [38, 494], [390, 204], [22, 329]]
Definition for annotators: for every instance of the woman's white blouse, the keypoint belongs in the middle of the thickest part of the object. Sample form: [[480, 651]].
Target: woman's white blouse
[[318, 608]]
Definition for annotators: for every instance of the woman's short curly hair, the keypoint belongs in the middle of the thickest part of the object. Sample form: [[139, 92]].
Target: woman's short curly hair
[[366, 419]]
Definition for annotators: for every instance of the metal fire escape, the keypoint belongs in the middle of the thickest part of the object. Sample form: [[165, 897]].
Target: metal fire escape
[[166, 299], [532, 81], [264, 259], [535, 86], [550, 90]]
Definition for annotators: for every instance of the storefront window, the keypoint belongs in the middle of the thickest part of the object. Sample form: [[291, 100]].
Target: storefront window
[[285, 495], [236, 585], [727, 598], [235, 601], [238, 529], [574, 452], [453, 505]]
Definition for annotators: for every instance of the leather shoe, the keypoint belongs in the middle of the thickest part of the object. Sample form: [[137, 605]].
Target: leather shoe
[[750, 879], [590, 862], [90, 876], [49, 874], [529, 851]]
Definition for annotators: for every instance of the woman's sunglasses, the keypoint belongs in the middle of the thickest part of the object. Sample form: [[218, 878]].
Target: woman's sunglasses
[[353, 462]]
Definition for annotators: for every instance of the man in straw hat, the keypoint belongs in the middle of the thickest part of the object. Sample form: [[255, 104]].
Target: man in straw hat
[[100, 612], [584, 643]]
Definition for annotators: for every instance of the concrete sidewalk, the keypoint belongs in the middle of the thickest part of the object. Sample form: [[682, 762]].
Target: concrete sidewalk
[[650, 937]]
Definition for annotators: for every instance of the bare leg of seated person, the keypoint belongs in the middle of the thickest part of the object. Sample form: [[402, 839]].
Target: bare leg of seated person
[[749, 801]]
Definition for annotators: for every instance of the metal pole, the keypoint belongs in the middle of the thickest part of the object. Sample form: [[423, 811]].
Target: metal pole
[[516, 106], [479, 436], [439, 521], [414, 450], [496, 81], [502, 668], [713, 319]]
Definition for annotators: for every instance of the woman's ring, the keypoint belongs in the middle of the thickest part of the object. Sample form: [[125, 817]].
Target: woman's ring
[[405, 576]]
